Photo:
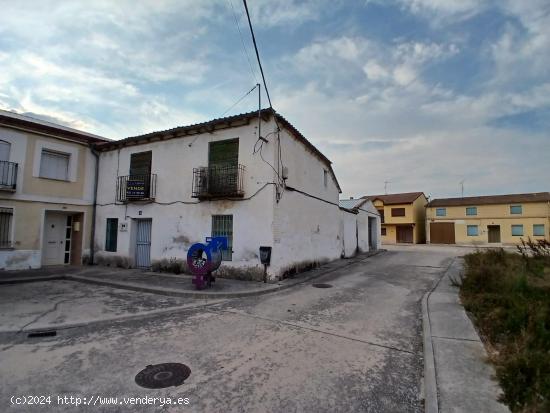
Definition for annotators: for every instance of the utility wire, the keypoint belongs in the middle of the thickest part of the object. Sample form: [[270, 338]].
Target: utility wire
[[240, 99], [257, 53], [242, 42]]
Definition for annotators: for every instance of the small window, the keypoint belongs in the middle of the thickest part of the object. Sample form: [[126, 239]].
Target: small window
[[4, 151], [440, 212], [515, 209], [472, 230], [111, 235], [538, 230], [54, 165], [471, 211], [384, 232], [398, 212], [517, 230], [6, 215], [222, 226], [325, 178]]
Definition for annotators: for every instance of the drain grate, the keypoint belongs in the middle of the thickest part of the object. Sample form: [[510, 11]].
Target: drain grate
[[163, 375], [322, 285], [49, 333]]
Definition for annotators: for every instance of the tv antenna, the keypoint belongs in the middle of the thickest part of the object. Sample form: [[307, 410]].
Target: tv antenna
[[386, 187], [462, 187]]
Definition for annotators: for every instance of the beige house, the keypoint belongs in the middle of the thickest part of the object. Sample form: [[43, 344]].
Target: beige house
[[47, 176], [494, 219], [403, 216]]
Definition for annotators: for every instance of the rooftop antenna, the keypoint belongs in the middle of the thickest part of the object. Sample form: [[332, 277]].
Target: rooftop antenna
[[462, 187], [386, 187]]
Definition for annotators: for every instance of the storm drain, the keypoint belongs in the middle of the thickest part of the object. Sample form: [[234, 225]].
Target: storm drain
[[322, 285], [163, 375], [38, 334]]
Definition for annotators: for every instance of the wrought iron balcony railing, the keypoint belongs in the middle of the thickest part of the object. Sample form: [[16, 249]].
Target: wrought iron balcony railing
[[218, 181], [8, 176], [131, 188]]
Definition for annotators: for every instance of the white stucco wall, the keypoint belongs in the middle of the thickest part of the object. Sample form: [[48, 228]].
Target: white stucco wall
[[350, 233], [178, 220]]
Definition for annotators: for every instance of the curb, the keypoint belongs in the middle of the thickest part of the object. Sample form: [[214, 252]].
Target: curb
[[190, 294], [431, 402]]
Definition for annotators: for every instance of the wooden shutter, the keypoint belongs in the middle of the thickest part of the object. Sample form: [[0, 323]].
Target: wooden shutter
[[140, 163], [224, 153]]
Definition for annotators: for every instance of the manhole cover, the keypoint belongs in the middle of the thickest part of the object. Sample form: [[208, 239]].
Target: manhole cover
[[322, 285], [163, 375]]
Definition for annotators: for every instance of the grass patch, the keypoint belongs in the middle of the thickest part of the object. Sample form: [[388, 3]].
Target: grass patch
[[509, 297]]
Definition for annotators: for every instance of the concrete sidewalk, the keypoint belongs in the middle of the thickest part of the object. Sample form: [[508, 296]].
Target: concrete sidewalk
[[171, 284], [457, 375]]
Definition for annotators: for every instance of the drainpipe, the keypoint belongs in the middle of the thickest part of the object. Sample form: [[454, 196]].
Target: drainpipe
[[94, 208]]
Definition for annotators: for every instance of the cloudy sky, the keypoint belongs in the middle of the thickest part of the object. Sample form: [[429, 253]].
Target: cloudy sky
[[421, 93]]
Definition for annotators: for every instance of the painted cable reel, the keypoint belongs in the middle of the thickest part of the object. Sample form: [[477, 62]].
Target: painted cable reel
[[203, 259]]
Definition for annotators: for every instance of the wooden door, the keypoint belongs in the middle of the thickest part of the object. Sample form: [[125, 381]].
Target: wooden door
[[442, 233], [494, 233], [405, 234]]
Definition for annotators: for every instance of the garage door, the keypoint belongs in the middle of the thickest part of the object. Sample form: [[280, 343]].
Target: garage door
[[442, 233], [405, 234]]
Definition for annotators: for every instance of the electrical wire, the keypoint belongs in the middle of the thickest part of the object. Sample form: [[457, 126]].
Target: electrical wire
[[257, 53], [240, 99], [242, 42]]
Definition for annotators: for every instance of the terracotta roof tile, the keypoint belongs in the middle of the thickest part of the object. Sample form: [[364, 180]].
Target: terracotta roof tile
[[492, 199], [393, 199]]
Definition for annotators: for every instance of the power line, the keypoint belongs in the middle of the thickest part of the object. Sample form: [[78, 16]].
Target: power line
[[240, 99], [257, 53], [242, 42]]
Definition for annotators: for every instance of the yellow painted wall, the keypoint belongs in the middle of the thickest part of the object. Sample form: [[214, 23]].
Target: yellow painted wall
[[415, 213], [532, 213], [33, 185], [28, 221]]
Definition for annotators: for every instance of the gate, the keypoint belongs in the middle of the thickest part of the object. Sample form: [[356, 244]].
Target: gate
[[143, 244]]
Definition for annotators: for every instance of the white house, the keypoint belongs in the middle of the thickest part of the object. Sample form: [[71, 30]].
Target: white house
[[360, 225], [252, 177]]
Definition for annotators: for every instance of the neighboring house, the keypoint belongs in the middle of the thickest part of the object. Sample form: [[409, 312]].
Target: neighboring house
[[46, 192], [360, 225], [403, 216], [494, 219], [161, 192]]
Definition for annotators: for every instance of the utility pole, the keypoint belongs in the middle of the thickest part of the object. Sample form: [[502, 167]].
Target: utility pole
[[462, 187]]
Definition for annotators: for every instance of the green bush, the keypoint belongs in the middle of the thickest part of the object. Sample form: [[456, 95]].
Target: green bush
[[509, 297]]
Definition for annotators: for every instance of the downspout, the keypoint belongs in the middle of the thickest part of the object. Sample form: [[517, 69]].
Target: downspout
[[94, 208]]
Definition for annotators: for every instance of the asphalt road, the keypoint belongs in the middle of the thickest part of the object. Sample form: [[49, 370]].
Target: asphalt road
[[354, 347]]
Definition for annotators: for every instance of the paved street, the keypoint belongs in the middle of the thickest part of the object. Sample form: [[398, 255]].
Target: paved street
[[354, 347]]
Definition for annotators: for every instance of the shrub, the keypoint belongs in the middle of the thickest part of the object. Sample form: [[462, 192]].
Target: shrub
[[509, 297]]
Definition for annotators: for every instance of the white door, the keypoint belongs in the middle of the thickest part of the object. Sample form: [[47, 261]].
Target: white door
[[54, 238]]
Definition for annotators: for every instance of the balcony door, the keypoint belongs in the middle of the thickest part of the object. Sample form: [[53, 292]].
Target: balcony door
[[139, 181], [223, 166]]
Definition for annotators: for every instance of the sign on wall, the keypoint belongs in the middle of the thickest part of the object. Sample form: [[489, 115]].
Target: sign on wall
[[135, 188]]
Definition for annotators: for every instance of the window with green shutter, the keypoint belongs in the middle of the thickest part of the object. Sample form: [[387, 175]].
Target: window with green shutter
[[111, 235]]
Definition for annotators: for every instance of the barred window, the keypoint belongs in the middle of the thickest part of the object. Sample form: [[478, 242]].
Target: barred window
[[6, 216], [222, 226]]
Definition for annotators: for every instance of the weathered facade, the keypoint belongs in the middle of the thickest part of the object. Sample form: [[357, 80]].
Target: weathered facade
[[360, 226], [496, 219], [159, 193], [403, 217], [46, 192]]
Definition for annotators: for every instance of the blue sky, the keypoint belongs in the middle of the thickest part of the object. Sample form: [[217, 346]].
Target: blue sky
[[421, 93]]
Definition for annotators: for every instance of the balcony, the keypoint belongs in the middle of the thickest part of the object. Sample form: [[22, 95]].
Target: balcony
[[132, 188], [211, 182], [8, 176]]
